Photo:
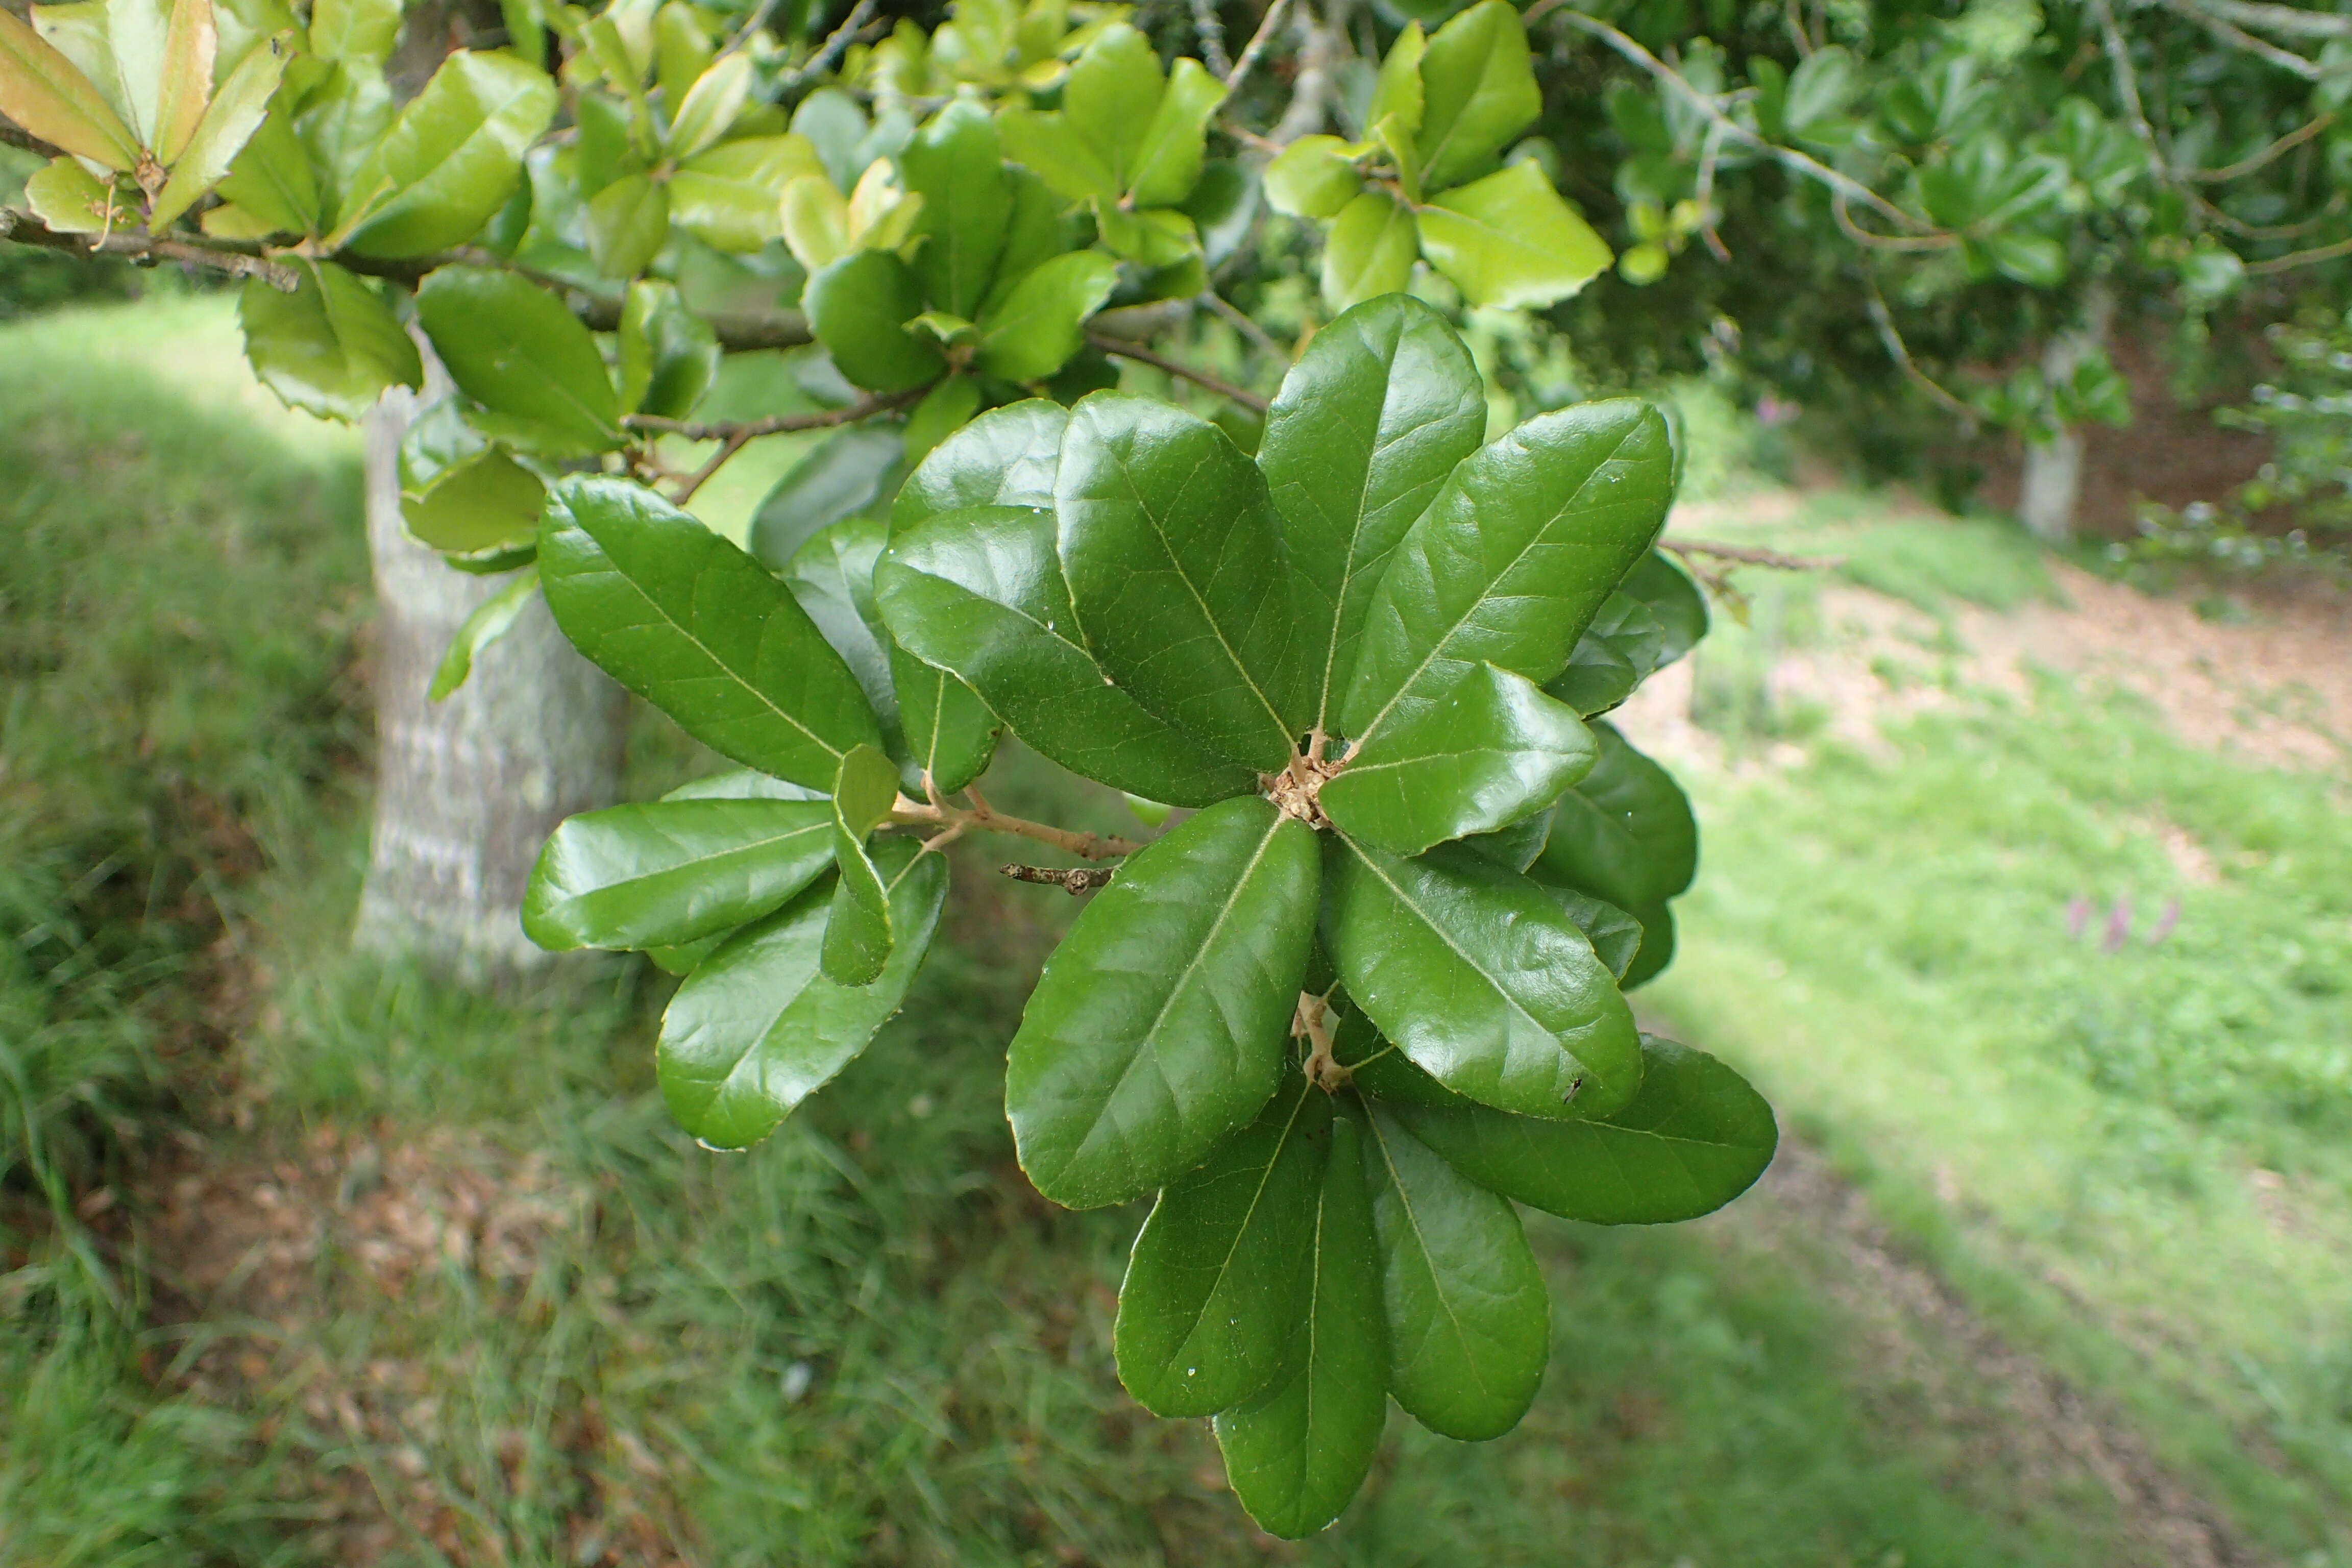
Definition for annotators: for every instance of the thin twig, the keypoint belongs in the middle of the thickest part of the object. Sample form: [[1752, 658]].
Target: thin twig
[[1240, 321], [1210, 29], [2293, 20], [2286, 143], [1310, 88], [1748, 555], [836, 43], [1843, 213], [23, 228], [2261, 48], [1071, 880], [1811, 168], [742, 430], [1199, 378], [1900, 352], [2118, 53], [982, 817], [1704, 192], [1253, 51], [2296, 258]]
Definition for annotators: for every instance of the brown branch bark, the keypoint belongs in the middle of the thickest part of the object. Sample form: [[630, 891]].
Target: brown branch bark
[[1199, 378], [1071, 880], [11, 136], [1750, 556], [24, 229], [982, 817], [740, 430]]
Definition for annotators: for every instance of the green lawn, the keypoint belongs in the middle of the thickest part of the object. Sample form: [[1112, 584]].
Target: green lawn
[[866, 1341]]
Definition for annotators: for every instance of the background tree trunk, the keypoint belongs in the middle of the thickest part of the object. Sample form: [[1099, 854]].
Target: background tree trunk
[[467, 789], [2052, 486]]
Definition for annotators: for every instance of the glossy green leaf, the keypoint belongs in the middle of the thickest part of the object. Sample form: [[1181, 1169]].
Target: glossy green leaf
[[670, 872], [228, 123], [1370, 250], [1160, 1024], [1219, 1276], [628, 223], [1314, 177], [489, 621], [758, 1028], [1479, 92], [944, 410], [832, 575], [1615, 654], [1297, 1454], [451, 159], [1178, 575], [1515, 844], [340, 125], [1696, 1138], [1397, 92], [1378, 410], [858, 308], [844, 475], [710, 105], [956, 165], [480, 505], [271, 178], [1625, 833], [744, 783], [668, 354], [1152, 238], [330, 347], [1481, 979], [1469, 1321], [1515, 555], [1042, 323], [513, 347], [358, 30], [1111, 98], [1657, 949], [687, 621], [730, 196], [47, 95], [1485, 754], [857, 935], [1007, 457], [1615, 935], [950, 734], [1166, 160], [980, 594], [1508, 240]]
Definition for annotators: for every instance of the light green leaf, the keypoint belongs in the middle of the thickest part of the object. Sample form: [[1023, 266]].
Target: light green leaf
[[1315, 176], [858, 308], [513, 347], [1509, 240], [1479, 92], [1219, 1276], [451, 160], [185, 82], [1167, 162], [1297, 1454], [832, 575], [1469, 1322], [1159, 1024], [341, 124], [1178, 574], [730, 197], [47, 95], [944, 410], [362, 31], [857, 937], [628, 223], [1036, 329], [271, 178], [1484, 755], [1111, 100], [330, 347], [1045, 144], [668, 354], [955, 165], [72, 200], [673, 871], [235, 114], [758, 1028], [490, 620], [1152, 238], [1513, 558], [1625, 833], [1396, 93], [1695, 1138], [481, 506], [687, 621], [1482, 980], [710, 105], [1378, 410], [1370, 250]]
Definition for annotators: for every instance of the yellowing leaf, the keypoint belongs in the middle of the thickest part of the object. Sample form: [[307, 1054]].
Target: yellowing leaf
[[47, 95], [70, 199], [816, 223], [187, 81], [222, 134]]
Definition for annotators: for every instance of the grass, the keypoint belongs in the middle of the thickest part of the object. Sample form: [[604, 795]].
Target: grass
[[397, 1272]]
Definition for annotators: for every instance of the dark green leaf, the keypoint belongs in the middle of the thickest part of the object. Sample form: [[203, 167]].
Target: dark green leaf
[[1674, 599], [979, 592], [1515, 845], [858, 308], [1041, 323], [1178, 575], [757, 1029], [954, 165], [843, 476], [1297, 1454], [832, 577], [688, 622], [1469, 1323], [947, 409], [1007, 457], [451, 159], [1039, 228], [1625, 833], [628, 223], [1378, 411], [1485, 754], [1617, 651], [1481, 979], [1511, 560], [1657, 949], [950, 734], [1615, 936], [330, 347], [857, 935], [1159, 1024], [1218, 1279], [271, 179], [1478, 92], [671, 872], [1696, 1138], [513, 347]]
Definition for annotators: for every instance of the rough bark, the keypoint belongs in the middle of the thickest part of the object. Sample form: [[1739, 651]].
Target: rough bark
[[468, 789], [2052, 487]]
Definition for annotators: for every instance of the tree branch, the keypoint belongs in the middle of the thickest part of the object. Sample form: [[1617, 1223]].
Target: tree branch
[[1746, 555], [2296, 258], [982, 817], [1199, 378], [836, 42], [1900, 352], [2290, 20], [23, 228], [12, 137], [740, 430], [1209, 28], [1240, 321], [1255, 50], [2286, 144], [1311, 90], [2118, 53], [1071, 880], [2261, 48]]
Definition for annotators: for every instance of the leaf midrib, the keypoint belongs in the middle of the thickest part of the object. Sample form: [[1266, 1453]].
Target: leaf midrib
[[1420, 1245], [1257, 1194], [745, 846]]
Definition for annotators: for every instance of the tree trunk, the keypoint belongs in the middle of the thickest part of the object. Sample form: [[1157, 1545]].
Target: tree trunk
[[467, 789], [2051, 485]]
